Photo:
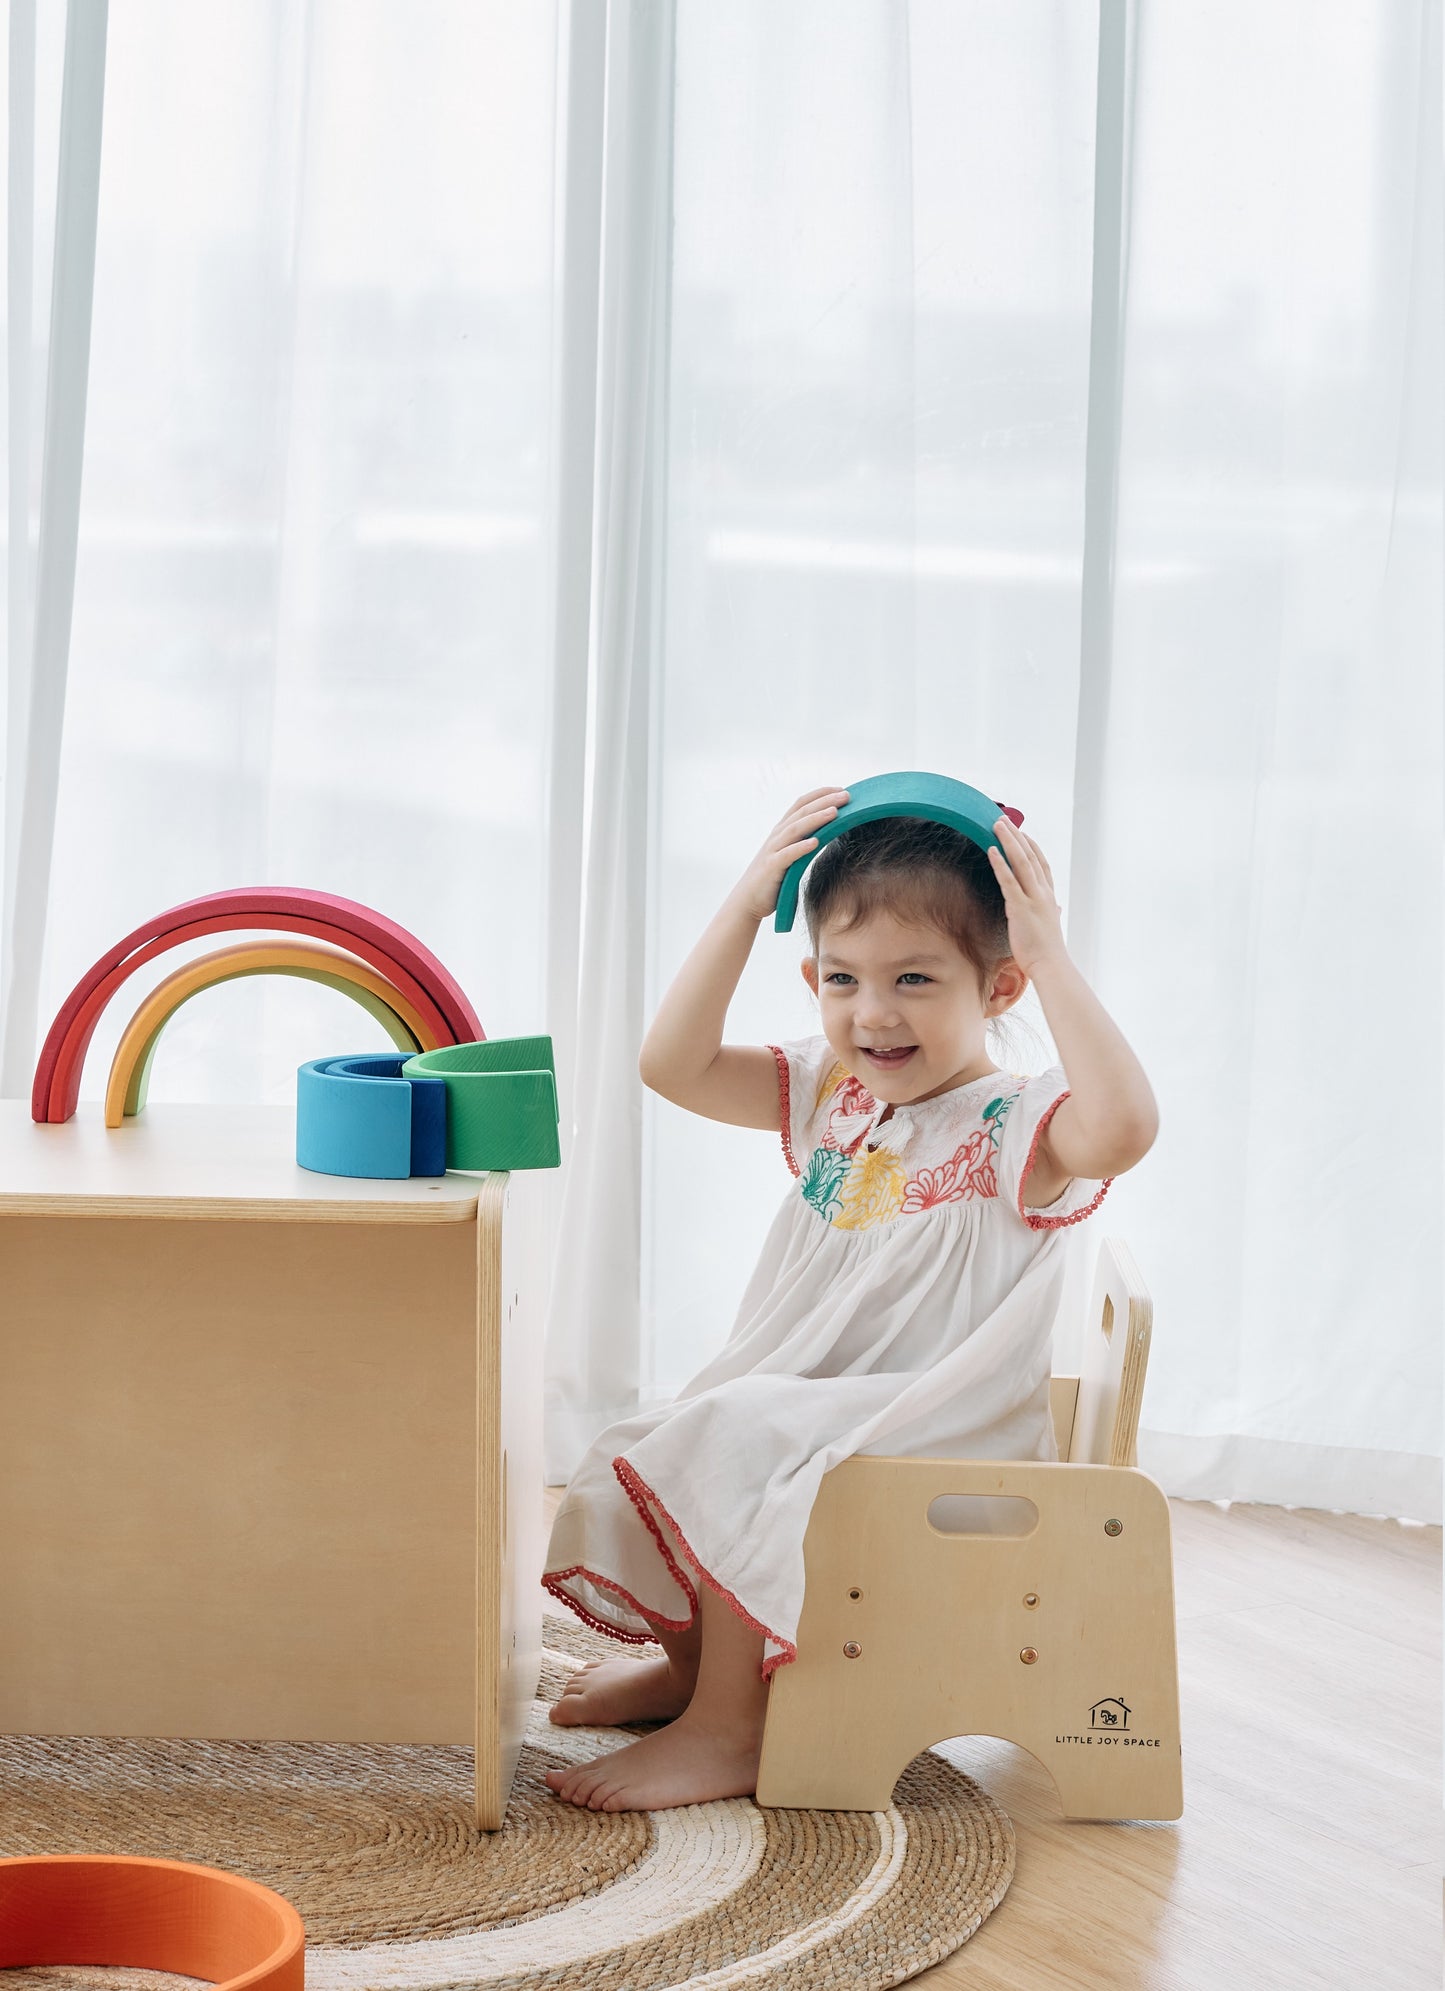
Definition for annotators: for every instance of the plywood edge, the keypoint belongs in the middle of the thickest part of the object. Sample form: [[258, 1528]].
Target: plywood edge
[[243, 1209], [1063, 1402], [491, 1796], [1139, 1328]]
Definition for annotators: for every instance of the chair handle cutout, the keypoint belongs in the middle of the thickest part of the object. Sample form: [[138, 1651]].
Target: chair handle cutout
[[977, 1514]]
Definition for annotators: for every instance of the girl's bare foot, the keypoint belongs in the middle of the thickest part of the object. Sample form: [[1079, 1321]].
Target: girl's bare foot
[[609, 1691], [689, 1762]]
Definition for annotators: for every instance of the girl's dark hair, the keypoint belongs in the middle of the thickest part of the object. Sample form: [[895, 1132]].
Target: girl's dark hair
[[919, 871]]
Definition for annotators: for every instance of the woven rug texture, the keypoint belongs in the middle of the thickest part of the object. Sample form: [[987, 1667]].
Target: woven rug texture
[[376, 1847]]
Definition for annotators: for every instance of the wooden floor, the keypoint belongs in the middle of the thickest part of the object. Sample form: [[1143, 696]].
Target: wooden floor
[[1308, 1856]]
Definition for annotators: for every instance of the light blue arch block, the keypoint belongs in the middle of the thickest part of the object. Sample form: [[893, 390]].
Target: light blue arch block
[[359, 1116]]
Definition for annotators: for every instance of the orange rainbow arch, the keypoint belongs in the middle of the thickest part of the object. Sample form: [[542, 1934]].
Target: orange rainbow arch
[[387, 947], [125, 1093]]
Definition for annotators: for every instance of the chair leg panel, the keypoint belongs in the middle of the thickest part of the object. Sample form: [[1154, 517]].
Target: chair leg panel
[[1060, 1640]]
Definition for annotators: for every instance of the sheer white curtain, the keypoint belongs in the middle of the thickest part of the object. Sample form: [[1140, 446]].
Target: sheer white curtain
[[309, 642], [1046, 395], [1056, 402], [1270, 826]]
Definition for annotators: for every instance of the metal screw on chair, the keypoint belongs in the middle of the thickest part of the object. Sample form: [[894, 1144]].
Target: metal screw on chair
[[852, 1649], [1028, 1655], [1113, 1527], [1031, 1600]]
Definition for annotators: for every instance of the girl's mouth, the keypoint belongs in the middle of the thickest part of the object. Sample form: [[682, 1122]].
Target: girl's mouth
[[889, 1061]]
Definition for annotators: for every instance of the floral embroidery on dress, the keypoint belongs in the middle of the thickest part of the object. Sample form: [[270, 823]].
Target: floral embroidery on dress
[[873, 1193], [849, 1095], [979, 1177], [855, 1191], [836, 1074], [938, 1185], [823, 1179]]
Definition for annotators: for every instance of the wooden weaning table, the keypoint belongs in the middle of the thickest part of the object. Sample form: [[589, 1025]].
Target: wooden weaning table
[[270, 1456]]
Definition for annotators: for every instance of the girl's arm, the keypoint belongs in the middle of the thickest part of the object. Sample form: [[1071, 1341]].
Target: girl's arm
[[1110, 1118], [683, 1056]]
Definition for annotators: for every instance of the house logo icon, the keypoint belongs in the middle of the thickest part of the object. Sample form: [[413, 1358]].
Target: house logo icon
[[1111, 1714]]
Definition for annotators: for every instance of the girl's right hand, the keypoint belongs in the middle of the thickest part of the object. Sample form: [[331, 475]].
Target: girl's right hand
[[757, 890]]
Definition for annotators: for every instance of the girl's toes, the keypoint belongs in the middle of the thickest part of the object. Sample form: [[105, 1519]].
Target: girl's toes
[[574, 1785], [569, 1710]]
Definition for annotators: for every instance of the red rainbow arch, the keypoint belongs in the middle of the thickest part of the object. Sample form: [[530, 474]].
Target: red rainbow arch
[[414, 970]]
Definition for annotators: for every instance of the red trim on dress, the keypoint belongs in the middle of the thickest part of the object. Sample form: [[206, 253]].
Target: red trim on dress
[[639, 1501], [641, 1494], [1035, 1219], [553, 1580], [785, 1108]]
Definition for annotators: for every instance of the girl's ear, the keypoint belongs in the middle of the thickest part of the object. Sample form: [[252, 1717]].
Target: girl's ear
[[809, 966], [1009, 983]]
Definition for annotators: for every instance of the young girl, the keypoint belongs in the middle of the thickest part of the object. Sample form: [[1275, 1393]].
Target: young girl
[[906, 1292]]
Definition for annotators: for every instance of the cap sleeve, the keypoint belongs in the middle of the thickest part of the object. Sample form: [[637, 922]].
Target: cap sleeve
[[809, 1074], [1026, 1113]]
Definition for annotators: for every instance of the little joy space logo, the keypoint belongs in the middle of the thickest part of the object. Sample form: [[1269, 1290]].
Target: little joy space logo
[[1108, 1727]]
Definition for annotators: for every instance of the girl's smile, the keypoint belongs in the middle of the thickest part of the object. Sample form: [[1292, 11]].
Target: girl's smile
[[889, 1061]]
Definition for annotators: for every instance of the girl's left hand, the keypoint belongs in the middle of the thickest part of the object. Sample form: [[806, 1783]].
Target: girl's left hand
[[1035, 929]]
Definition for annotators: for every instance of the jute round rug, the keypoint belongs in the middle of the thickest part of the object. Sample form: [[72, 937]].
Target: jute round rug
[[376, 1847]]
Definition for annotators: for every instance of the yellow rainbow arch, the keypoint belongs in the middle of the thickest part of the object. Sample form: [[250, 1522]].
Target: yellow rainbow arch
[[125, 1093]]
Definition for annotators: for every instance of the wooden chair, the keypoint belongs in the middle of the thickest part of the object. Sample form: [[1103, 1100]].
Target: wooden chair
[[1060, 1639]]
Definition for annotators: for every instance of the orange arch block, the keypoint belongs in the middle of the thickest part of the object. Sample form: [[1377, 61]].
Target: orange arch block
[[143, 1914], [125, 1092]]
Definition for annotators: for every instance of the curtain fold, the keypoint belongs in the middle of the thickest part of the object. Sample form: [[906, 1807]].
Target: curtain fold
[[1113, 187], [593, 1351], [39, 610]]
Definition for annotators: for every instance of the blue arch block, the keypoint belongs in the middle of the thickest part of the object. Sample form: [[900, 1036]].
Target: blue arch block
[[359, 1116]]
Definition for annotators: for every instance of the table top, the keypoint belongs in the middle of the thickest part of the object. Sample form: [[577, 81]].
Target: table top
[[201, 1161]]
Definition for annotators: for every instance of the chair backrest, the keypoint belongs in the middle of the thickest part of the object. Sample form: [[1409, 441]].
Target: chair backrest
[[1096, 1413]]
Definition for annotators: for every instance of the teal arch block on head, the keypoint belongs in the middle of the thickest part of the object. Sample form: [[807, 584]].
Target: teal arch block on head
[[936, 798]]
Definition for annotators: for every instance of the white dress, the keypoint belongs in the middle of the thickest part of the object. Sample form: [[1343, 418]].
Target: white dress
[[903, 1304]]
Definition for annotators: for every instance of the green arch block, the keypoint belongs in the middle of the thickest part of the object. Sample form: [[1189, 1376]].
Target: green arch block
[[502, 1107]]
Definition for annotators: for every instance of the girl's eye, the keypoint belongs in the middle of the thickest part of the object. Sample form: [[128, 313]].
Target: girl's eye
[[912, 976]]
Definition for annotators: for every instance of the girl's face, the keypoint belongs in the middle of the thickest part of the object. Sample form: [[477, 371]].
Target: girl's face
[[889, 985]]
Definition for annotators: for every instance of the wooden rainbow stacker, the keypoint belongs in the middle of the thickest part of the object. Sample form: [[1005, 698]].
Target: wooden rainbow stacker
[[270, 1460]]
